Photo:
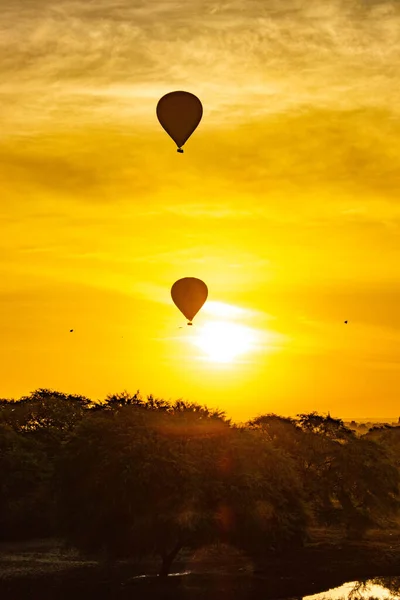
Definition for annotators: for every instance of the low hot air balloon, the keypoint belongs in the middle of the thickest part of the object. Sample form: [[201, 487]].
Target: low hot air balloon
[[189, 295], [179, 114]]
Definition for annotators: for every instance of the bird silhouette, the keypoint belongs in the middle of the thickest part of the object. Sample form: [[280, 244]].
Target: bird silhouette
[[345, 321], [71, 330]]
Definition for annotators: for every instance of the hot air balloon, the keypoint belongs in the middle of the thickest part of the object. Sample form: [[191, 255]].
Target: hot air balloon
[[179, 114], [189, 295]]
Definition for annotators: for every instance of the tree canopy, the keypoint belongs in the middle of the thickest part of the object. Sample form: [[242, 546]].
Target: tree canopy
[[132, 476]]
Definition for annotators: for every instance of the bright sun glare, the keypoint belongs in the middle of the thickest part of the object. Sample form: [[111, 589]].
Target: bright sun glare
[[223, 341]]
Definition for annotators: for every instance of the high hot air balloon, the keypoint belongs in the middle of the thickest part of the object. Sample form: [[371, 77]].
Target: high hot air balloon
[[189, 295], [179, 114]]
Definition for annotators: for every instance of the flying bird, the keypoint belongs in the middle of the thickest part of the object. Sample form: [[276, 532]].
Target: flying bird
[[71, 330], [345, 321]]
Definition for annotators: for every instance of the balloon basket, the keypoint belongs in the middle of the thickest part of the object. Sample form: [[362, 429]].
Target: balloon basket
[[190, 324], [180, 150]]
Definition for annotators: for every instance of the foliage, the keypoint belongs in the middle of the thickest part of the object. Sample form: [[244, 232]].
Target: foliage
[[25, 501], [388, 438], [155, 482], [135, 476], [347, 480]]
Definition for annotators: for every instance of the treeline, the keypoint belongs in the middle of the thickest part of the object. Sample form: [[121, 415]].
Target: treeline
[[367, 426], [135, 476]]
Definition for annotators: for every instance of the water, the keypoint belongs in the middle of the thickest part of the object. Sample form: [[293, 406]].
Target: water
[[152, 576], [381, 588], [194, 586]]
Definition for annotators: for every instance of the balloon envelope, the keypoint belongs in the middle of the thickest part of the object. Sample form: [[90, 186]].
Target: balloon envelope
[[189, 295], [179, 114]]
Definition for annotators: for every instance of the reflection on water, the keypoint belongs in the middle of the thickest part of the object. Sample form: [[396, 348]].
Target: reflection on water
[[152, 576], [381, 588]]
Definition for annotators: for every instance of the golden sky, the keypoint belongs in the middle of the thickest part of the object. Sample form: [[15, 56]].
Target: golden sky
[[285, 202]]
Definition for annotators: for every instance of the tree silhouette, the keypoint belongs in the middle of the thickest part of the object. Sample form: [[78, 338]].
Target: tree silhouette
[[140, 481], [133, 476]]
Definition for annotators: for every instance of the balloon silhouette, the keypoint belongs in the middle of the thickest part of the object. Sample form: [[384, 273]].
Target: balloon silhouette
[[179, 114], [189, 295]]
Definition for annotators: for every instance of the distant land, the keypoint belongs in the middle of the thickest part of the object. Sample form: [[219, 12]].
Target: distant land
[[371, 419]]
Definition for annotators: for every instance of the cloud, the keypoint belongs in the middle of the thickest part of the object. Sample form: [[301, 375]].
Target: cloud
[[352, 152], [300, 99], [289, 184], [79, 61]]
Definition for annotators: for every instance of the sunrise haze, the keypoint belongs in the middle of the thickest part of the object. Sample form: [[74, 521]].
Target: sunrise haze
[[285, 202]]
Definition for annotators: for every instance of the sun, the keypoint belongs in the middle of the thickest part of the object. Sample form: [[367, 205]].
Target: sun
[[223, 341]]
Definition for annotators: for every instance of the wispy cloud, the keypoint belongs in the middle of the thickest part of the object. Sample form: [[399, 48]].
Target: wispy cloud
[[291, 179], [297, 96], [81, 61]]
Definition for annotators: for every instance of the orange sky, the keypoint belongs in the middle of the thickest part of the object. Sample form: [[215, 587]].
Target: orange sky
[[285, 202]]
